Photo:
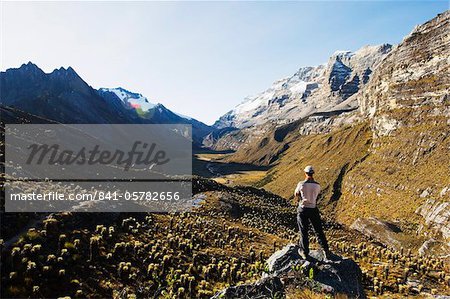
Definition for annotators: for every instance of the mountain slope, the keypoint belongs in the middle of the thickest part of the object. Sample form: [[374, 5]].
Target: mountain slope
[[408, 105], [160, 114]]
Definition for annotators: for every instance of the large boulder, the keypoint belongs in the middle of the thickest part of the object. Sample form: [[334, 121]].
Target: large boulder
[[282, 260], [339, 275], [287, 269]]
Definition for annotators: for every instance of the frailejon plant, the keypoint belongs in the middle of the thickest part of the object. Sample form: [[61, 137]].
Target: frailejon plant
[[93, 247], [311, 273]]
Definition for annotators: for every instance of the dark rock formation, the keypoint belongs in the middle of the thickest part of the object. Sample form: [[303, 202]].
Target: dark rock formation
[[63, 96], [287, 270]]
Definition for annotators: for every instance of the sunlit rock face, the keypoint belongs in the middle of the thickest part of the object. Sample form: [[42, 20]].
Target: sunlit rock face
[[310, 89], [412, 82]]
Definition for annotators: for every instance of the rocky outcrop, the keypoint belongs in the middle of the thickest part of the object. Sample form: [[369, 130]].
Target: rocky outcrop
[[286, 269], [433, 247], [381, 231], [436, 215], [211, 139], [282, 260], [348, 71], [435, 226]]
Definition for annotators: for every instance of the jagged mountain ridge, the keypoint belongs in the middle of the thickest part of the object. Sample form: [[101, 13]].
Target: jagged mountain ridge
[[309, 90], [63, 96]]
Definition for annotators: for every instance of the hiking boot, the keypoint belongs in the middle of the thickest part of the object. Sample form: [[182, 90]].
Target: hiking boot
[[327, 255]]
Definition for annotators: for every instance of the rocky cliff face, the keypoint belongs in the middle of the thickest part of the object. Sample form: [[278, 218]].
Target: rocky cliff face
[[435, 225], [347, 71], [407, 103], [309, 90], [436, 215], [413, 81]]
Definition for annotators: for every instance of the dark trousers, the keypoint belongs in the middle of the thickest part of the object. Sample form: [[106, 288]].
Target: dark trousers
[[304, 216]]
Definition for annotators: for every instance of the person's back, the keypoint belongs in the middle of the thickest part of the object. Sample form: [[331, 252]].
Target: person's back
[[307, 191]]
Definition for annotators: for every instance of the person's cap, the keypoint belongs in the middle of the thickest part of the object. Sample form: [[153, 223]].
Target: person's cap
[[309, 169]]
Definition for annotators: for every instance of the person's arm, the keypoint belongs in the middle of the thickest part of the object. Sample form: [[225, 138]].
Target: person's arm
[[297, 194]]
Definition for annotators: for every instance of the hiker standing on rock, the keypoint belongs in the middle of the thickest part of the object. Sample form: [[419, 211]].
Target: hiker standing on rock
[[307, 192]]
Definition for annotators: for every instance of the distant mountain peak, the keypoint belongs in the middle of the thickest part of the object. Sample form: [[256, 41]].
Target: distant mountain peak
[[134, 94], [66, 72], [29, 68], [138, 101], [30, 65], [310, 89], [341, 53]]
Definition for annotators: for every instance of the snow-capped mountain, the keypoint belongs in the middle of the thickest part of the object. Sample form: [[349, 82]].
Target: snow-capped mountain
[[310, 89], [140, 103], [154, 113], [135, 100]]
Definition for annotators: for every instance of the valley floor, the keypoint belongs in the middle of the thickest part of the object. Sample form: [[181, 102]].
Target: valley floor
[[212, 164]]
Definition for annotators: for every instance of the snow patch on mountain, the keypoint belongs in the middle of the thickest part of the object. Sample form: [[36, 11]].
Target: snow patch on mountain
[[138, 101], [253, 102], [135, 100]]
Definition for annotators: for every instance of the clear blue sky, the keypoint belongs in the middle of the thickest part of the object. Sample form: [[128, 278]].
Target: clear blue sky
[[197, 58]]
